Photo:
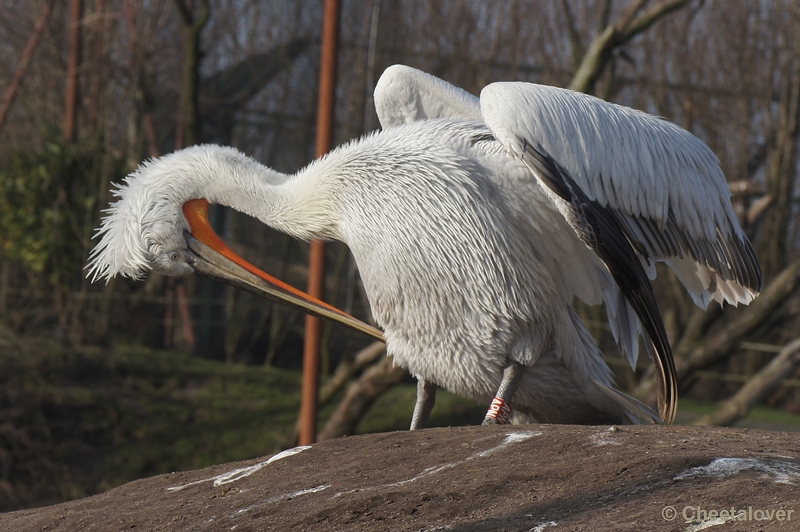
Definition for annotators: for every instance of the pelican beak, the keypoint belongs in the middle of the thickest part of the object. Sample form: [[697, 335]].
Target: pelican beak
[[212, 257]]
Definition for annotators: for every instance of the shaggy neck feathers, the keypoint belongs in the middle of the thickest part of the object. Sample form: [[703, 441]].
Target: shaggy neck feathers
[[301, 205], [147, 220]]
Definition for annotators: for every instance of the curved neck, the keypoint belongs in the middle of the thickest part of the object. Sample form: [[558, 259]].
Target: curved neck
[[301, 205]]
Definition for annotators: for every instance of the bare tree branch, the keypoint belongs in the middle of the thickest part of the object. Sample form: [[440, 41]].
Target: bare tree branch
[[349, 367], [594, 61], [614, 35], [649, 17], [344, 372], [762, 383], [13, 87], [605, 17], [574, 37], [628, 14], [724, 341], [360, 396]]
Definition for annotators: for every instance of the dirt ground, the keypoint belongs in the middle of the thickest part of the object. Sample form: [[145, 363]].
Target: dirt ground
[[547, 478]]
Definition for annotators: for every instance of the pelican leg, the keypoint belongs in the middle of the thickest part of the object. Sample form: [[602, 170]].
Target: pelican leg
[[426, 398], [500, 409]]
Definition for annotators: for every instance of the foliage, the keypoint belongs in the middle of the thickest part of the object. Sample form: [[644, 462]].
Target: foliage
[[25, 214], [48, 199]]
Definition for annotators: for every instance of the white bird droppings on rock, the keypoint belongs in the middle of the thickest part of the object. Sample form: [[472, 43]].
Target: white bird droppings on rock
[[781, 470], [236, 474]]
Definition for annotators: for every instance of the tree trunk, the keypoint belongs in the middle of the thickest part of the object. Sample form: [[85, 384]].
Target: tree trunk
[[99, 67], [192, 28], [144, 98], [781, 175], [75, 42]]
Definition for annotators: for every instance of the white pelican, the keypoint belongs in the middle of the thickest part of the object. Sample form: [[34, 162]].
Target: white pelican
[[475, 223]]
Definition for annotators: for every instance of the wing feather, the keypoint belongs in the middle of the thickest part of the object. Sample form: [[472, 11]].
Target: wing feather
[[662, 184], [404, 94]]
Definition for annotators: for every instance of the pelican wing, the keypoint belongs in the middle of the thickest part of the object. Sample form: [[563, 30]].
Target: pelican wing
[[404, 94], [636, 189], [661, 185]]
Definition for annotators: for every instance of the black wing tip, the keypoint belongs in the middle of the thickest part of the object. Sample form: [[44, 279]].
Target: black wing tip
[[755, 274], [667, 395], [599, 230]]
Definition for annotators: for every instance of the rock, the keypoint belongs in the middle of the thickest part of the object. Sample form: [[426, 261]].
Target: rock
[[530, 478]]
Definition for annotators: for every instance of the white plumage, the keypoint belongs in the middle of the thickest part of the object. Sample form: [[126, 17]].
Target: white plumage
[[663, 183], [475, 224]]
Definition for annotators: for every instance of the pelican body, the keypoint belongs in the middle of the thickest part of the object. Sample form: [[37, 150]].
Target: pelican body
[[475, 225]]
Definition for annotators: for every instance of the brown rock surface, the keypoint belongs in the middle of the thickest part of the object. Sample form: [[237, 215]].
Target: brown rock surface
[[546, 478]]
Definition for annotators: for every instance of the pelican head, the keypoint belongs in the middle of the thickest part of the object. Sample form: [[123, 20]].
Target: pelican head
[[160, 223], [143, 230]]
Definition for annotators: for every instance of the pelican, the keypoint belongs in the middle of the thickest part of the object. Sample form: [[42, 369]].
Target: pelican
[[475, 224]]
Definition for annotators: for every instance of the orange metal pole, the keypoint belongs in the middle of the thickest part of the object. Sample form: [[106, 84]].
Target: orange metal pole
[[316, 261]]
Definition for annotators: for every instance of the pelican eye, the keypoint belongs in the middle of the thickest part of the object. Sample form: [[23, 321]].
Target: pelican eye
[[174, 256]]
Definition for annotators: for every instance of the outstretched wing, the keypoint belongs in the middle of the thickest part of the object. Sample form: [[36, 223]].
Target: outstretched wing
[[636, 189], [661, 185]]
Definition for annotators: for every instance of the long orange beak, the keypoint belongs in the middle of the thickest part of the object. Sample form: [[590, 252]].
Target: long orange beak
[[215, 259]]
